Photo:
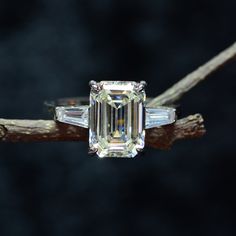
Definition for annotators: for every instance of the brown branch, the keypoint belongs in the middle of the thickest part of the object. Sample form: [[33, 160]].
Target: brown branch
[[162, 138], [185, 128], [39, 130], [49, 130], [174, 93]]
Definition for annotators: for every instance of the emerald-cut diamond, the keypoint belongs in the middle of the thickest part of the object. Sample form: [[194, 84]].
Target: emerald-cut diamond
[[116, 126]]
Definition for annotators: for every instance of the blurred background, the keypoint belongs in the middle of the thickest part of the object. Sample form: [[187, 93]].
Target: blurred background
[[51, 49]]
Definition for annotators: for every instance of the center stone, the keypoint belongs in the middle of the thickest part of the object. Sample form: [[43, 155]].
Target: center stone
[[117, 119]]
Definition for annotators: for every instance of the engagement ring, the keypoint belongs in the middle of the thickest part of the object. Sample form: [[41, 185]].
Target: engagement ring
[[116, 116]]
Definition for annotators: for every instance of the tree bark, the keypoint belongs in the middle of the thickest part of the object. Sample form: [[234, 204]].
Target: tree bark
[[48, 130]]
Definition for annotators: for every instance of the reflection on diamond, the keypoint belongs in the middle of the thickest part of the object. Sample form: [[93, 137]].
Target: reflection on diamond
[[73, 115], [159, 116], [116, 119]]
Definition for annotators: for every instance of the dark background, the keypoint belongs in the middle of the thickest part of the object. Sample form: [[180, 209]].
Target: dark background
[[51, 49]]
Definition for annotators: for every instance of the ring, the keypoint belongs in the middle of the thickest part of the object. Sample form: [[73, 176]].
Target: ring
[[116, 116]]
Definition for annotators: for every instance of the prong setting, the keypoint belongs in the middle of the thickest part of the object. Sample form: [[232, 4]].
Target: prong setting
[[92, 151], [95, 86], [141, 86]]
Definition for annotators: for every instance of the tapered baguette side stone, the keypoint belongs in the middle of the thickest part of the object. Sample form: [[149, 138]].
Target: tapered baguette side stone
[[156, 117], [73, 115]]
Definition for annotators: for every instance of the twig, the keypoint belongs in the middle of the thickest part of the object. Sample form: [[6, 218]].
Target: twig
[[48, 130], [162, 138], [39, 130], [174, 93], [186, 128]]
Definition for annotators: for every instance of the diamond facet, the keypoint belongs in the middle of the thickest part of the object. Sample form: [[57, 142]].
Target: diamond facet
[[156, 117], [73, 115], [117, 119]]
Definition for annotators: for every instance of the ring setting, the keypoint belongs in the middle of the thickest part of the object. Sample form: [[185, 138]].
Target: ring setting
[[116, 116]]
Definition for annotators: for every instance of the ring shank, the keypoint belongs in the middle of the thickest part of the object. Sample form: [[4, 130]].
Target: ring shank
[[73, 101]]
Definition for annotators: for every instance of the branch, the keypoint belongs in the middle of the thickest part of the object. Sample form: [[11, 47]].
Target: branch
[[185, 128], [173, 94], [49, 130], [162, 138]]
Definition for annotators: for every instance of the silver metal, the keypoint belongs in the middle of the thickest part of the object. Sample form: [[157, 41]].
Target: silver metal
[[92, 151], [95, 86], [141, 86]]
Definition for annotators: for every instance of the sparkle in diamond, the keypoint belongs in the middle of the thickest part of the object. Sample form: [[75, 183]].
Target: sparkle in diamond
[[116, 119]]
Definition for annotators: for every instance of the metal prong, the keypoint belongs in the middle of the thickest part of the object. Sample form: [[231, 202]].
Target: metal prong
[[141, 86], [140, 150], [94, 85], [92, 151]]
